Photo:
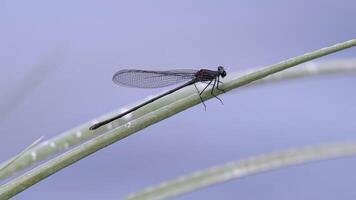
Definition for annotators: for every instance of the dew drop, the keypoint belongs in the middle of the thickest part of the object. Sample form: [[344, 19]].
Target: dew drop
[[128, 125], [52, 144], [34, 155], [78, 134]]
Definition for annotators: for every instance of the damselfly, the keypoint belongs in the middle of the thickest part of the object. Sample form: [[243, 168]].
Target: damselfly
[[157, 79]]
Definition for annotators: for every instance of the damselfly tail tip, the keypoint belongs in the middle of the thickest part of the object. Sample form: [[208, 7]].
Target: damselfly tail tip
[[95, 126]]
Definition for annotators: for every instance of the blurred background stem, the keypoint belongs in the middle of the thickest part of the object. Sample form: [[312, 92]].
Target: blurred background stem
[[250, 166]]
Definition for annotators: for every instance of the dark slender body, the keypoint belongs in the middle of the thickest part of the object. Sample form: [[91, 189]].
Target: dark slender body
[[203, 75]]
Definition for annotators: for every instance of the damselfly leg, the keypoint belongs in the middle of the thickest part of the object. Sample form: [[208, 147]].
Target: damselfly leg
[[212, 91]]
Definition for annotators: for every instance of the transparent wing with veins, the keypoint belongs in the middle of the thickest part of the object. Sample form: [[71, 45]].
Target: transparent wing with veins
[[152, 79]]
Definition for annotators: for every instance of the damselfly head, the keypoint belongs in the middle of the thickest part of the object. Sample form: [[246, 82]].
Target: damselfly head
[[222, 71]]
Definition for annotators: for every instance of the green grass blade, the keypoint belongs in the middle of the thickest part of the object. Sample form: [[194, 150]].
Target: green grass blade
[[154, 113], [18, 156], [78, 135], [246, 167]]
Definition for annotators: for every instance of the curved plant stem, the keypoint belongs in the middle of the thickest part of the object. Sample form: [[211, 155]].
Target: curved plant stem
[[154, 113], [80, 134], [335, 67], [246, 167], [18, 156]]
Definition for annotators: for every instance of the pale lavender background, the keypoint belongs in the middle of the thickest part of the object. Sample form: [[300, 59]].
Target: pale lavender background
[[101, 37]]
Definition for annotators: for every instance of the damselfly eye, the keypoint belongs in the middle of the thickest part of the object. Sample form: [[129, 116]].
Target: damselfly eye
[[222, 71]]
